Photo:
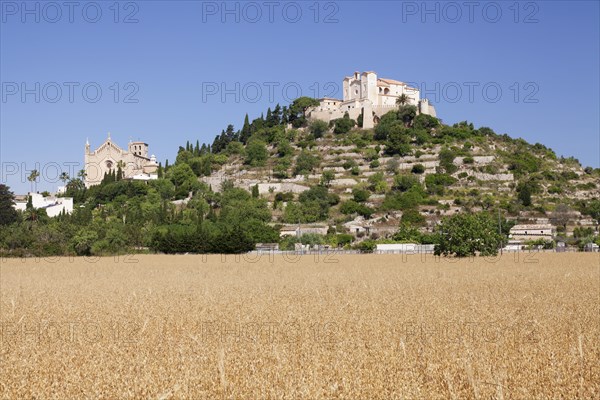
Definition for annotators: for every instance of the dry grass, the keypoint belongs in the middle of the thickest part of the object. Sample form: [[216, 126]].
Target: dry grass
[[382, 327]]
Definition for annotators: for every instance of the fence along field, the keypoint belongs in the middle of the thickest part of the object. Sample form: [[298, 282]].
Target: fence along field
[[352, 326]]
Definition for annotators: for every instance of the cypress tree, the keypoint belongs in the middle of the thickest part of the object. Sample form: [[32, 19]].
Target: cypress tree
[[246, 131]]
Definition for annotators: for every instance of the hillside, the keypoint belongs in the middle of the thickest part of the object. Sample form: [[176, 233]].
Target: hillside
[[406, 164], [286, 178]]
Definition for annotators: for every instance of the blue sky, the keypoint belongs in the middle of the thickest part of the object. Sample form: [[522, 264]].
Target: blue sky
[[529, 69]]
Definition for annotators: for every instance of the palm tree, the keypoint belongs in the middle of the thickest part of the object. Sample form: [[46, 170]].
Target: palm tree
[[402, 100], [64, 177], [82, 174], [33, 177]]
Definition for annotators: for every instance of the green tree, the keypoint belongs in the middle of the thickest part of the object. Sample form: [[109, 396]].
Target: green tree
[[306, 162], [318, 128], [524, 194], [83, 241], [246, 131], [406, 114], [343, 125], [466, 235], [447, 157], [327, 177], [360, 195], [418, 169], [8, 214], [298, 108], [593, 210], [256, 153], [398, 139], [436, 183], [404, 182], [377, 183], [184, 179]]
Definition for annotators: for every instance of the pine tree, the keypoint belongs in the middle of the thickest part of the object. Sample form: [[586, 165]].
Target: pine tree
[[197, 149]]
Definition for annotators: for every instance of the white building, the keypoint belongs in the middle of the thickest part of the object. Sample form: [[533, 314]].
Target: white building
[[107, 158], [532, 232], [53, 205], [408, 248], [365, 94]]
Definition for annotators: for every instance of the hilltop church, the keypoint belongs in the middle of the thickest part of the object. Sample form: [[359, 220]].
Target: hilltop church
[[134, 162], [367, 95]]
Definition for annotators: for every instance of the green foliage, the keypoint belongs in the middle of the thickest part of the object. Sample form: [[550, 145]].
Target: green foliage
[[398, 141], [352, 207], [366, 246], [404, 182], [313, 205], [360, 195], [524, 194], [426, 122], [318, 128], [8, 214], [377, 183], [284, 148], [417, 169], [235, 148], [412, 217], [406, 114], [593, 210], [392, 165], [349, 164], [184, 179], [83, 241], [256, 153], [447, 157], [522, 162], [403, 201], [343, 125], [306, 162], [298, 109], [466, 235], [436, 183], [409, 234]]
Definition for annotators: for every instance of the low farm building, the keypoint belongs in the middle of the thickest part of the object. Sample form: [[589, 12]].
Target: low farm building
[[410, 248], [532, 232], [299, 230]]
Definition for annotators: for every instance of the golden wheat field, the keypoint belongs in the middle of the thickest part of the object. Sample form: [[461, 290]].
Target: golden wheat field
[[335, 327]]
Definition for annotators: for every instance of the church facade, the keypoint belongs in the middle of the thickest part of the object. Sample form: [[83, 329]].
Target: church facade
[[134, 161], [367, 95]]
